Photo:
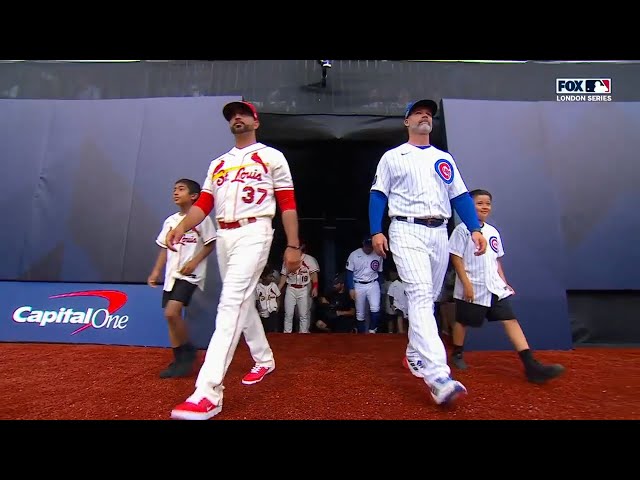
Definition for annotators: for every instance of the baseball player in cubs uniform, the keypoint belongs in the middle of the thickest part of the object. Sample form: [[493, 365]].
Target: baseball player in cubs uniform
[[419, 182], [481, 291], [364, 268], [302, 285], [242, 188]]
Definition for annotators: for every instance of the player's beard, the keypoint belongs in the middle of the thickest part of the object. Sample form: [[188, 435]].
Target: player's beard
[[424, 128], [239, 128]]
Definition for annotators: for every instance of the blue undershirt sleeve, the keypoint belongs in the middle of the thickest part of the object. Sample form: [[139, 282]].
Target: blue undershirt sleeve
[[349, 280], [463, 205], [377, 204]]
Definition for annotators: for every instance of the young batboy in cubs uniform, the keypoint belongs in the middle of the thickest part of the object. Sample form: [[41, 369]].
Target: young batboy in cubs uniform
[[185, 271], [481, 291]]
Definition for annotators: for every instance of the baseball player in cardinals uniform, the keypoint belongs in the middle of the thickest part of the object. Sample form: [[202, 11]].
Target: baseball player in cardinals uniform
[[242, 189], [364, 268], [419, 182], [481, 291], [302, 285]]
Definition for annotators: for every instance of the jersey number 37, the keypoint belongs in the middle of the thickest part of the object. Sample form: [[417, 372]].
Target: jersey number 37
[[250, 195]]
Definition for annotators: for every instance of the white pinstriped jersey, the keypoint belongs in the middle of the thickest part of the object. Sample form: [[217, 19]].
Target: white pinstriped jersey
[[243, 182], [365, 267], [302, 276], [191, 243], [418, 182], [482, 270]]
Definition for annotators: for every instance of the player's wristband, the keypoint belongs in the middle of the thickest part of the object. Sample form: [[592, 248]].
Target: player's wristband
[[295, 248], [314, 284]]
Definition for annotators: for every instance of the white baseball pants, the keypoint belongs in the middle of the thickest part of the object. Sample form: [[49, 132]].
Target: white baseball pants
[[242, 255], [301, 297], [421, 255], [366, 292]]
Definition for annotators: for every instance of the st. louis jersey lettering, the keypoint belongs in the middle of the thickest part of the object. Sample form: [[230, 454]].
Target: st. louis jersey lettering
[[243, 181]]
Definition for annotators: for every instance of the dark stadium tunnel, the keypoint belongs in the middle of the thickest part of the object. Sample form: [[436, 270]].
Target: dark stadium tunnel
[[333, 159]]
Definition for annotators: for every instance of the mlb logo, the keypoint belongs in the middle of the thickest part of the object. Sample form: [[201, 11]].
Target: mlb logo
[[583, 85]]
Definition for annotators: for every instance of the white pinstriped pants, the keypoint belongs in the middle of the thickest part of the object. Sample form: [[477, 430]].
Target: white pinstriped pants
[[421, 255], [367, 292]]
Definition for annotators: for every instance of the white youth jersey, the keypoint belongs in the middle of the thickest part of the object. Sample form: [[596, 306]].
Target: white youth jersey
[[385, 292], [396, 290], [302, 276], [418, 182], [267, 296], [192, 242], [365, 267], [243, 182], [482, 270]]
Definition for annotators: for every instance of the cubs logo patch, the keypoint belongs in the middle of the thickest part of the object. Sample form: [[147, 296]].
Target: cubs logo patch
[[444, 169], [375, 264], [493, 242]]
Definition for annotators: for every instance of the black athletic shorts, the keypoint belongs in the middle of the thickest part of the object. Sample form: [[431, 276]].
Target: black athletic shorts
[[473, 315], [182, 291]]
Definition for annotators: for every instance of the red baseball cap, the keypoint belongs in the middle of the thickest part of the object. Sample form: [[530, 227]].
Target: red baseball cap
[[230, 108]]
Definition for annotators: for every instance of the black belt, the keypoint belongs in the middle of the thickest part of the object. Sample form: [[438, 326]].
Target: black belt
[[429, 222], [370, 281]]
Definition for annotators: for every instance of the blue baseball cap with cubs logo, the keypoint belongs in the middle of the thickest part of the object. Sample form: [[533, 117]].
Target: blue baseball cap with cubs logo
[[430, 104]]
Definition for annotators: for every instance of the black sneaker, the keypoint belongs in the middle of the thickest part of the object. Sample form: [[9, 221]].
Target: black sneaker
[[182, 366], [458, 362], [189, 354], [539, 373], [169, 371]]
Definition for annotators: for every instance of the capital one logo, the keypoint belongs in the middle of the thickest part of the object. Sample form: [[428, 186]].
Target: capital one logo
[[98, 318]]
